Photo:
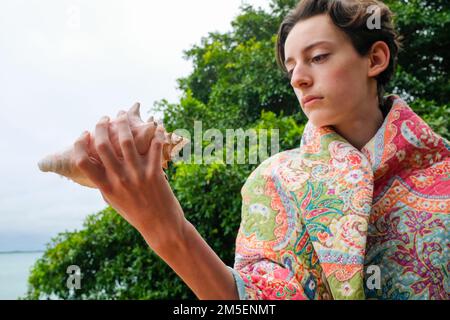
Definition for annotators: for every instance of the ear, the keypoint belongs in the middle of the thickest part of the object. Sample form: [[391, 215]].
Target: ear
[[379, 56]]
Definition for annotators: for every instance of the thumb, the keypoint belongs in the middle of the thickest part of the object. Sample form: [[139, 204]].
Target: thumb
[[89, 166]]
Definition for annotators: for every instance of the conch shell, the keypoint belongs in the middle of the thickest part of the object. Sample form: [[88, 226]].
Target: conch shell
[[63, 163]]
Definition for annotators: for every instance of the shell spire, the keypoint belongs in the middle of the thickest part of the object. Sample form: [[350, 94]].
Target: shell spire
[[63, 162]]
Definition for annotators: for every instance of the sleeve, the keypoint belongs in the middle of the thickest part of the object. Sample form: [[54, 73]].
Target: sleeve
[[266, 280], [240, 285], [262, 271]]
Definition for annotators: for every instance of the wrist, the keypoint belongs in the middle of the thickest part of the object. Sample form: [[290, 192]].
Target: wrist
[[164, 239]]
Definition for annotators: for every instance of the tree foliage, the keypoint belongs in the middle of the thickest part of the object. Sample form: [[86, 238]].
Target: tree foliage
[[234, 84]]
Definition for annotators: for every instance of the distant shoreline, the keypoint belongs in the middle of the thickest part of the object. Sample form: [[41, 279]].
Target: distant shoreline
[[21, 251]]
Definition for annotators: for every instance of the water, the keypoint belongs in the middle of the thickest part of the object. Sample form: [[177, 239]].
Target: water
[[14, 271]]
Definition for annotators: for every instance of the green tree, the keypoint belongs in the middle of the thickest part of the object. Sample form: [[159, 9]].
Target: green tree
[[234, 84]]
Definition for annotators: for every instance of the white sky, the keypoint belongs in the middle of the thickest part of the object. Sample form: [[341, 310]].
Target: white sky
[[63, 65]]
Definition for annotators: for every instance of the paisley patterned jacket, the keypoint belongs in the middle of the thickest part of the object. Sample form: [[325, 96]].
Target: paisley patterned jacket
[[329, 221]]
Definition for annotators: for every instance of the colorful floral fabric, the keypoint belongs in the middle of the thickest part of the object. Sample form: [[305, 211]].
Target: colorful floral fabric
[[319, 221]]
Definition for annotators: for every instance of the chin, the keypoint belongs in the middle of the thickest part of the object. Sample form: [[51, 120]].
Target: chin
[[319, 121], [321, 116]]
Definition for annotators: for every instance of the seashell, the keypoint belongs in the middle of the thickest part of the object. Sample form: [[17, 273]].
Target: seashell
[[63, 162]]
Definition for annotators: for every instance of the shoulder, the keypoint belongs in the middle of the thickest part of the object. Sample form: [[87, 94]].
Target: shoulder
[[268, 165]]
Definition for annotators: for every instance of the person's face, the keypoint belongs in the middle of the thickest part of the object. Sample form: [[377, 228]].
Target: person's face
[[331, 70]]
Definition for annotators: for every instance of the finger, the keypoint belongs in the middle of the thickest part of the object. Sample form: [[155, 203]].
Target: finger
[[143, 136], [114, 138], [91, 169], [127, 144], [155, 153], [105, 149]]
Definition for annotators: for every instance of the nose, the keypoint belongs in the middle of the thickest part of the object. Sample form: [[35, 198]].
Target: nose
[[300, 77]]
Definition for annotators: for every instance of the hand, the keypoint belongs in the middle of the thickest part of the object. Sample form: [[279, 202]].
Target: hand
[[135, 185]]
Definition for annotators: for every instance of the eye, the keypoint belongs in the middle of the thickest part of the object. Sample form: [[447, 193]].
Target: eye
[[317, 59], [320, 57]]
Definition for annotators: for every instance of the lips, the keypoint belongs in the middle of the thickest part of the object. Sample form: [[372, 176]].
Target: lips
[[310, 98]]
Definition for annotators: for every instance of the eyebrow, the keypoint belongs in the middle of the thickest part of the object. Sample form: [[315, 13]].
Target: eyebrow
[[308, 48]]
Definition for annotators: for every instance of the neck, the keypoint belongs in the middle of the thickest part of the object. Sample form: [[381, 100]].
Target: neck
[[360, 128]]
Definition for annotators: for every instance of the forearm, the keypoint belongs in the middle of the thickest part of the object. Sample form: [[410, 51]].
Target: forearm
[[198, 266]]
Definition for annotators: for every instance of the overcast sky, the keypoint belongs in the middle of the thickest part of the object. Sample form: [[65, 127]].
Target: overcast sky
[[63, 65]]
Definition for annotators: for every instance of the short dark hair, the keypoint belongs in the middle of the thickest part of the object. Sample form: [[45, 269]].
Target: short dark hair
[[351, 17]]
